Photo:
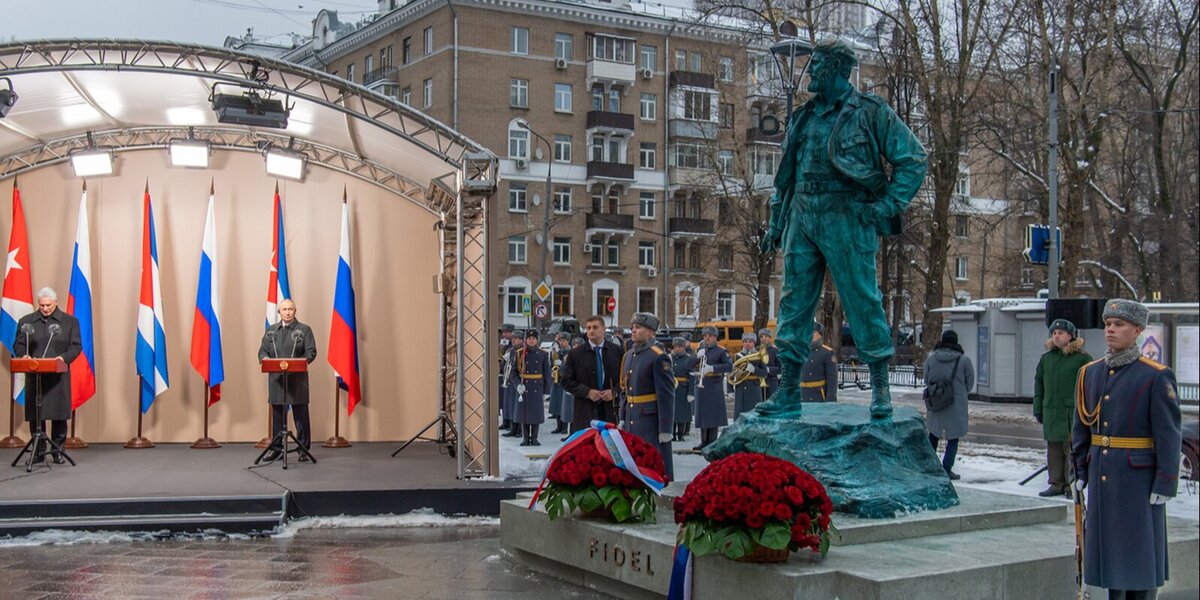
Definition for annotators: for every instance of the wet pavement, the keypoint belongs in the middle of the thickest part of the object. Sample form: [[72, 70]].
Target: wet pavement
[[450, 563]]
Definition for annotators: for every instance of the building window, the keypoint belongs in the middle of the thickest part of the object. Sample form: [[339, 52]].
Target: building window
[[680, 258], [681, 60], [562, 148], [406, 51], [725, 162], [350, 72], [723, 209], [685, 301], [726, 115], [614, 200], [562, 251], [649, 107], [597, 253], [764, 161], [520, 40], [647, 300], [597, 148], [960, 226], [385, 57], [564, 45], [516, 250], [427, 41], [695, 256], [960, 268], [697, 106], [406, 96], [518, 93], [725, 299], [688, 156], [614, 252], [612, 49], [648, 58], [647, 155], [614, 100], [562, 97], [697, 64], [602, 296], [518, 143], [725, 257], [368, 64], [962, 187], [645, 254], [427, 93], [561, 302], [512, 300], [646, 204], [562, 200], [725, 69], [518, 197]]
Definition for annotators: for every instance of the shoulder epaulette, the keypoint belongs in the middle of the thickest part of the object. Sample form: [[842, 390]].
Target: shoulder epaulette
[[1098, 360], [827, 347], [657, 350], [1153, 363]]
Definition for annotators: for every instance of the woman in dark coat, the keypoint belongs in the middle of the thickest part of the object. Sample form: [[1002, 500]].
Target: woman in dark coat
[[950, 423]]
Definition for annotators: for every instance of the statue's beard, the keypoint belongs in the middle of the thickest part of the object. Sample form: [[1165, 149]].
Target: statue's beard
[[820, 81]]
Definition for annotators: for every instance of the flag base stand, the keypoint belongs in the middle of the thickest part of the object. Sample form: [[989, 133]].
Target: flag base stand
[[206, 443], [263, 443], [139, 442], [336, 441], [12, 441], [74, 443]]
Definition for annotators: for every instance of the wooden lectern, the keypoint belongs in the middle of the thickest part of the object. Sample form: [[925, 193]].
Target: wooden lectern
[[284, 365], [280, 440], [34, 368]]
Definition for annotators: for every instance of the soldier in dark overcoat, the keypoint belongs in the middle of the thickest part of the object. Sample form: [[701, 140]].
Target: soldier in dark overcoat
[[648, 382], [48, 333], [289, 338], [1125, 444], [557, 353], [767, 339], [506, 335], [711, 411], [748, 393], [819, 378], [509, 399], [682, 364], [533, 375]]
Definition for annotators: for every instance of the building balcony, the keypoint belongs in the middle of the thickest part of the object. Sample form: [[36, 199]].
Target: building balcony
[[682, 227], [691, 79], [610, 72], [692, 178], [686, 128], [755, 135], [610, 121], [609, 170], [380, 76], [612, 222]]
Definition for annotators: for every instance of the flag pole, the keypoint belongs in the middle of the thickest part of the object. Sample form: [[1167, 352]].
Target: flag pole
[[139, 441], [72, 442], [206, 442], [337, 441], [12, 441]]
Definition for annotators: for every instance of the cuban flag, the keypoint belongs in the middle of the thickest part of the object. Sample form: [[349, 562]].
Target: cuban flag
[[79, 304], [151, 345], [277, 281], [343, 340], [206, 326], [17, 299]]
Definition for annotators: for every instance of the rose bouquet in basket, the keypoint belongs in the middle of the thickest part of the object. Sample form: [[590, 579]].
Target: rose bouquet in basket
[[602, 472], [755, 507]]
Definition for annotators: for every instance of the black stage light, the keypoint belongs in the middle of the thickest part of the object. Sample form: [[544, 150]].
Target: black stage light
[[8, 98], [250, 109]]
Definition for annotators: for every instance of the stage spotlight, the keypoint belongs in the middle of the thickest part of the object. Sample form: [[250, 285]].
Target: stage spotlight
[[190, 152], [285, 163], [249, 108], [8, 98], [92, 162]]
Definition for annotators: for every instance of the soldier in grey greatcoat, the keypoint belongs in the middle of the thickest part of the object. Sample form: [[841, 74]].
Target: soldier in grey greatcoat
[[48, 333], [533, 375], [682, 364], [711, 411], [1125, 444], [748, 393], [819, 377], [289, 338], [508, 402], [648, 384], [561, 347], [506, 336], [767, 339]]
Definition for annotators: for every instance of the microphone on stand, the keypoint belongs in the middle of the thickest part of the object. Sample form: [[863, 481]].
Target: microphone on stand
[[27, 329], [55, 328], [268, 336], [296, 337]]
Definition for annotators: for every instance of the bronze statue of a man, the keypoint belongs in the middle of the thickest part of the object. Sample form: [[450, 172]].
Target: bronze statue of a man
[[834, 197]]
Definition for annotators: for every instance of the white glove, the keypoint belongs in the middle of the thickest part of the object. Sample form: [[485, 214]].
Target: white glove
[[705, 370], [1156, 499], [520, 388], [1077, 485], [665, 438], [558, 363]]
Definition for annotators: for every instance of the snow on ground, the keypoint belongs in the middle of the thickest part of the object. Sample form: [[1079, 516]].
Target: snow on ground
[[65, 537], [422, 517]]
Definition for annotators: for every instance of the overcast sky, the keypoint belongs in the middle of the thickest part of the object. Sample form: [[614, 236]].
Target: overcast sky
[[198, 21]]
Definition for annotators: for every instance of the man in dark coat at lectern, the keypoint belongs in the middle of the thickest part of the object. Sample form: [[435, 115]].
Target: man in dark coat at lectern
[[289, 338], [48, 333]]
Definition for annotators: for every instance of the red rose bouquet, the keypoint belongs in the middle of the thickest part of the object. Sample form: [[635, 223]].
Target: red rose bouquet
[[749, 500], [584, 474]]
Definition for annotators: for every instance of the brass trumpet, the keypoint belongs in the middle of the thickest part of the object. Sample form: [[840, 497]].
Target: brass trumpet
[[741, 367]]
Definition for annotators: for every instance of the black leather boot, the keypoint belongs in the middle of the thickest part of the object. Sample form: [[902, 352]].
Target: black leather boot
[[533, 435]]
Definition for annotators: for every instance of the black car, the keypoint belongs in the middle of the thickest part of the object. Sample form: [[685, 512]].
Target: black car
[[1188, 462]]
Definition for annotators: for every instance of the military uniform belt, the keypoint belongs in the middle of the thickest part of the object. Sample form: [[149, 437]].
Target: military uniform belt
[[1128, 443], [751, 378], [712, 375], [681, 379], [826, 185], [812, 384], [523, 376], [642, 398]]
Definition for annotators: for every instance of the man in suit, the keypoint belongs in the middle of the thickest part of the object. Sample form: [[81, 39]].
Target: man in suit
[[48, 333], [819, 378], [590, 374], [289, 338], [649, 386]]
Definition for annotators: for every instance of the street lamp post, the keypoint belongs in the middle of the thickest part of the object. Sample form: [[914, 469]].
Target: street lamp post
[[546, 202], [788, 50]]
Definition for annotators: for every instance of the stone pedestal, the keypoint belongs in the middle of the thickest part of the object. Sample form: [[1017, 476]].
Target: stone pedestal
[[871, 468]]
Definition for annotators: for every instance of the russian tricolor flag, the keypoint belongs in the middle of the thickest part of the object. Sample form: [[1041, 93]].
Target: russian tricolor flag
[[343, 340], [277, 281], [17, 298], [79, 304], [206, 326], [151, 352]]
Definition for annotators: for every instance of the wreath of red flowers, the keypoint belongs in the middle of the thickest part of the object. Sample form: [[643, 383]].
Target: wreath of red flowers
[[583, 477], [750, 498]]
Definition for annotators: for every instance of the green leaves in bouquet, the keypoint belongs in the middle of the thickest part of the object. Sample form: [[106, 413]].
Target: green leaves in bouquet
[[624, 504], [704, 537]]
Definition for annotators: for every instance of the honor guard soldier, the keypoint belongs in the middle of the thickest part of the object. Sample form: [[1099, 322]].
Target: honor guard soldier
[[508, 401], [749, 376], [506, 334], [767, 340], [819, 378], [533, 369], [648, 382], [557, 354], [1125, 444], [712, 365], [682, 364]]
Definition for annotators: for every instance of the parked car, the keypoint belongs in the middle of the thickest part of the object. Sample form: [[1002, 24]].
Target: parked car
[[1189, 465], [729, 333], [570, 325]]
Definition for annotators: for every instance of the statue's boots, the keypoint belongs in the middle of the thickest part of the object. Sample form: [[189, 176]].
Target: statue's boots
[[881, 397], [787, 398]]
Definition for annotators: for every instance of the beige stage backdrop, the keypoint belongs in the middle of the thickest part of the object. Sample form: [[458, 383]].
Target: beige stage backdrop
[[395, 254]]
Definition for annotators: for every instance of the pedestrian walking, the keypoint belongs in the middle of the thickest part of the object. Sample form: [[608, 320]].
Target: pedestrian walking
[[947, 363]]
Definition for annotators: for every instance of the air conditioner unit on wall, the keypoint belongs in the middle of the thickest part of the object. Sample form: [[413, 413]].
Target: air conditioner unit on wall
[[521, 163], [652, 272], [587, 247], [560, 63], [647, 73]]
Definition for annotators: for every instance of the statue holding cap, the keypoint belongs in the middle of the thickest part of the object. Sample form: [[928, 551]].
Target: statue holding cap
[[849, 169]]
